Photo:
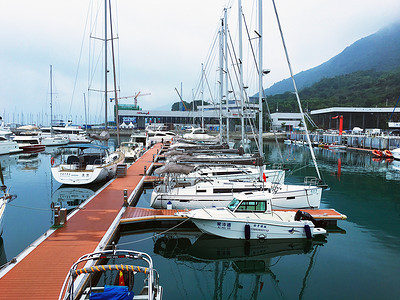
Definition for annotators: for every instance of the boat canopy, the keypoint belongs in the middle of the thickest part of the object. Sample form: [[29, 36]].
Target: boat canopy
[[85, 146]]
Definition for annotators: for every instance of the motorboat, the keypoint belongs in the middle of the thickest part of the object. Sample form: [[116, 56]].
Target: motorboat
[[30, 141], [74, 134], [200, 134], [131, 150], [85, 164], [8, 147], [55, 140], [79, 281], [252, 218], [158, 136], [219, 193]]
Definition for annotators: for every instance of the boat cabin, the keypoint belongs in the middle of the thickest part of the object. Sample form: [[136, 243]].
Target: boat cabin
[[246, 202]]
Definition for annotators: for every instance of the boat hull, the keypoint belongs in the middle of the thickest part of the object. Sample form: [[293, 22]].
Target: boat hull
[[33, 148], [257, 229], [289, 198]]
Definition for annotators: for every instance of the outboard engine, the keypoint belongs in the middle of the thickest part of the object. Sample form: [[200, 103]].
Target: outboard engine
[[302, 215]]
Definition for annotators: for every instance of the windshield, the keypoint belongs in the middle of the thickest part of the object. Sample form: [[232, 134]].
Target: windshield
[[234, 203]]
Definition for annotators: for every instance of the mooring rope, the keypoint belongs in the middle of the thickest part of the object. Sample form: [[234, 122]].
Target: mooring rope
[[150, 237]]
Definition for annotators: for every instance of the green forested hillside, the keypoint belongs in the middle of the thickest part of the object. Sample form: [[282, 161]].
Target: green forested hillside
[[379, 51], [358, 89]]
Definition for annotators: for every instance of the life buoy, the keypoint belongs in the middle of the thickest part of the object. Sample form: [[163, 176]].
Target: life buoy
[[387, 154], [52, 160]]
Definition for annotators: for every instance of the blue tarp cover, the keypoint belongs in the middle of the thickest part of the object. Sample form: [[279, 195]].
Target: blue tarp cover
[[113, 292]]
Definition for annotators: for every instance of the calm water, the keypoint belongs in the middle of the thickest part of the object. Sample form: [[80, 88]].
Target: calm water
[[357, 260]]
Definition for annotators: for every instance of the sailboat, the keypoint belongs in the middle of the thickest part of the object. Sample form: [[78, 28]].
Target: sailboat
[[4, 199], [89, 163], [53, 139]]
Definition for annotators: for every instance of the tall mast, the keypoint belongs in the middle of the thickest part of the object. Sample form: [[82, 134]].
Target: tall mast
[[105, 63], [226, 72], [115, 78], [202, 96], [51, 100], [241, 93], [221, 78], [260, 79]]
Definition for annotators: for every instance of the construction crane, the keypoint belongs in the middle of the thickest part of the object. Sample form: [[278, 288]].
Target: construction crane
[[134, 97]]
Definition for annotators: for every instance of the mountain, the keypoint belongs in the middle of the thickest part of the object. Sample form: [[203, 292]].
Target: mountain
[[379, 51]]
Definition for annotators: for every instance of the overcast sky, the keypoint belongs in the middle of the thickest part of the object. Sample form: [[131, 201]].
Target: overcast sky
[[161, 44]]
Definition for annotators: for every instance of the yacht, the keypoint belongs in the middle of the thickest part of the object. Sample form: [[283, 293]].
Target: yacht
[[251, 218], [85, 164], [8, 147], [200, 134], [219, 193]]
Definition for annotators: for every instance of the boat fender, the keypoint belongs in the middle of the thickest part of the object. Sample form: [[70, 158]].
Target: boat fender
[[308, 232], [52, 160], [247, 231]]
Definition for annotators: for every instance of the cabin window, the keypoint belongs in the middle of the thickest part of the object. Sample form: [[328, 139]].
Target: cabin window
[[233, 204], [253, 206]]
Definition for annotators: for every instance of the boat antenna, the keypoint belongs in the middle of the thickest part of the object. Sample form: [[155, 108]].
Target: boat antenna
[[297, 93]]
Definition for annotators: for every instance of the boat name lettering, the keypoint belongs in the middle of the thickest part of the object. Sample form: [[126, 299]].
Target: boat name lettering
[[224, 225]]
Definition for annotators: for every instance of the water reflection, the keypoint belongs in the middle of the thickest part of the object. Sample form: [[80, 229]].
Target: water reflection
[[70, 197], [238, 267], [28, 161], [3, 258]]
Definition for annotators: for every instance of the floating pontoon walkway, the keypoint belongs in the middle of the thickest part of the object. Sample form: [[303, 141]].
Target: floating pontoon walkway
[[136, 215], [40, 270]]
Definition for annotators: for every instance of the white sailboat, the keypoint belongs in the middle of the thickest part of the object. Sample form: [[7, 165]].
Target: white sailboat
[[219, 193], [86, 164], [53, 139], [253, 218]]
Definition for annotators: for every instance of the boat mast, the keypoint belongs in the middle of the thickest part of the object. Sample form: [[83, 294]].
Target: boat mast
[[202, 96], [260, 79], [115, 78], [260, 83], [221, 78], [240, 62], [226, 72], [105, 63], [51, 100]]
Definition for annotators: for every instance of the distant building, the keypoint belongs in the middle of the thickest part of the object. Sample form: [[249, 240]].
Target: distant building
[[285, 121], [363, 117]]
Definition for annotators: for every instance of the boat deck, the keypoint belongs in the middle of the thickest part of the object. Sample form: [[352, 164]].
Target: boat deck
[[40, 270]]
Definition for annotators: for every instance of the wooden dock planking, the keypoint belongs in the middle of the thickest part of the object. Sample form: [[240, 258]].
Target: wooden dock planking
[[40, 272]]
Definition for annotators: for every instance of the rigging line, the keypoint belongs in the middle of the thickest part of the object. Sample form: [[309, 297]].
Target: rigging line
[[27, 207], [79, 60], [157, 234], [296, 92], [233, 59]]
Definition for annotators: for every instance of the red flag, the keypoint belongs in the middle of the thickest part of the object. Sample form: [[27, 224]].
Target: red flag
[[264, 177], [121, 278]]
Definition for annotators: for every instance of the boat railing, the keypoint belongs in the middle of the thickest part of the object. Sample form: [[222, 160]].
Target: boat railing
[[68, 289], [308, 180]]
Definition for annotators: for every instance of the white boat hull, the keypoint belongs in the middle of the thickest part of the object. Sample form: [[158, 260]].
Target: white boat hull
[[288, 197], [396, 153], [232, 228], [9, 147]]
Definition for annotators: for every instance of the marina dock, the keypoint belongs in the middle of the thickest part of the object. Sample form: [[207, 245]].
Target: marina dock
[[39, 271]]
